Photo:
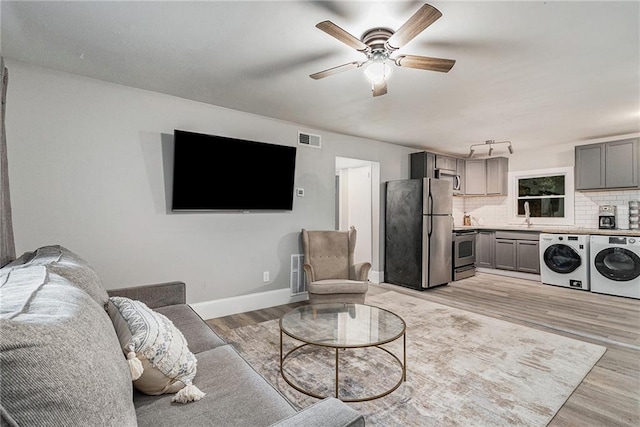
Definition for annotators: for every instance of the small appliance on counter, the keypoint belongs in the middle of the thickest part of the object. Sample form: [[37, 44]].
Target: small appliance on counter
[[606, 217]]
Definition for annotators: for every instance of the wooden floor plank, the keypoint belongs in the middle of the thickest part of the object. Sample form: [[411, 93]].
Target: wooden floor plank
[[609, 394]]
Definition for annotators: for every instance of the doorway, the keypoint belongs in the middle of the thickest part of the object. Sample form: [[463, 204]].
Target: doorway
[[358, 204]]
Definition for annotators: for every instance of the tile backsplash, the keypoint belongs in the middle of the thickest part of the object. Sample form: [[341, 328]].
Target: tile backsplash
[[494, 210]]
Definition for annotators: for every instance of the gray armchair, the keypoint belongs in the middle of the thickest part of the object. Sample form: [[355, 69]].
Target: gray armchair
[[328, 264]]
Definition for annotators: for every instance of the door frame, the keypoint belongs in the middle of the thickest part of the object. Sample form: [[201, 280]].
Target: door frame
[[375, 275]]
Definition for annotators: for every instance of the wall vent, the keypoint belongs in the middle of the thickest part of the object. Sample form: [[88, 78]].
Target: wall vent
[[298, 280], [309, 139]]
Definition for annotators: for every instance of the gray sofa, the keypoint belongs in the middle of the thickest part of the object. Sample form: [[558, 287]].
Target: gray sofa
[[61, 362]]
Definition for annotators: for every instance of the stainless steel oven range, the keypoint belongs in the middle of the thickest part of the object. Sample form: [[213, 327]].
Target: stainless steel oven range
[[464, 254]]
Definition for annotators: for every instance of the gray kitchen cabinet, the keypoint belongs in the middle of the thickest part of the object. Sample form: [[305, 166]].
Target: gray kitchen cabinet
[[621, 163], [590, 166], [475, 172], [527, 256], [423, 165], [506, 258], [497, 176], [486, 176], [446, 162], [485, 249], [613, 164], [518, 251]]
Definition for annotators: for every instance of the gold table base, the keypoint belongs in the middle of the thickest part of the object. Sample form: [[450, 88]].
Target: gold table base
[[402, 363]]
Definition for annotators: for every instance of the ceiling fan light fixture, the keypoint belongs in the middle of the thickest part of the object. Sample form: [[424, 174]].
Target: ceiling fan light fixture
[[377, 71]]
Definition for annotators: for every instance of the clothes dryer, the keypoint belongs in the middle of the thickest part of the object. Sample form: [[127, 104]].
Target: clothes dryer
[[615, 265], [564, 260]]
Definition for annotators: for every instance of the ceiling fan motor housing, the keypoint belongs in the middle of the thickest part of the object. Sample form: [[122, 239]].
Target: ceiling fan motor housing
[[376, 40]]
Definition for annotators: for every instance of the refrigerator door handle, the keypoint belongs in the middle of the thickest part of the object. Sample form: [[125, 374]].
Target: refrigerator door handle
[[430, 213]]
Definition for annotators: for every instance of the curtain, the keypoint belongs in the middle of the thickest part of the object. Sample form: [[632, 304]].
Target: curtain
[[7, 243]]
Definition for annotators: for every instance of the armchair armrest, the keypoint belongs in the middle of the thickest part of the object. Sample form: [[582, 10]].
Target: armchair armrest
[[329, 412], [361, 271], [308, 270], [155, 295]]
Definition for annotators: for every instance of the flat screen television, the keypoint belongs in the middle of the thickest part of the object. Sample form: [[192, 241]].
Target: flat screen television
[[216, 173]]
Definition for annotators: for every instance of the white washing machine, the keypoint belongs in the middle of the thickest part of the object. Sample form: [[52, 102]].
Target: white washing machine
[[615, 265], [564, 260]]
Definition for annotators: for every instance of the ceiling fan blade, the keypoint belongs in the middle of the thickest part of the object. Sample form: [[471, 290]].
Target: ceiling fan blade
[[379, 88], [420, 20], [425, 63], [335, 70], [334, 31]]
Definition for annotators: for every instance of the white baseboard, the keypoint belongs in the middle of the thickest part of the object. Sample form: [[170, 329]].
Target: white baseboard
[[243, 303], [516, 274], [240, 304], [376, 276]]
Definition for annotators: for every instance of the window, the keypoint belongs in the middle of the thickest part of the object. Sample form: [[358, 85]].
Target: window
[[548, 194], [545, 195]]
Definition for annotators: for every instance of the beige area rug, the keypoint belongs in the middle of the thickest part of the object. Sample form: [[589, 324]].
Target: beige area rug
[[462, 368]]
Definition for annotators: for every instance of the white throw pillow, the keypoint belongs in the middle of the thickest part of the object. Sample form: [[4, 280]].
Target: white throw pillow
[[157, 352]]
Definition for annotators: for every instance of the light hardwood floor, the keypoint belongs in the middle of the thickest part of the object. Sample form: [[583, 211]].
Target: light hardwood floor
[[608, 396]]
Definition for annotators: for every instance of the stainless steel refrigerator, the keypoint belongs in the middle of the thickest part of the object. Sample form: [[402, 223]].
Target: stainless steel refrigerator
[[418, 232]]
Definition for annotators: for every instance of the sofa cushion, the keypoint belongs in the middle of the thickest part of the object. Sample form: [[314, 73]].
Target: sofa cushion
[[65, 263], [199, 335], [236, 396], [60, 358], [150, 337]]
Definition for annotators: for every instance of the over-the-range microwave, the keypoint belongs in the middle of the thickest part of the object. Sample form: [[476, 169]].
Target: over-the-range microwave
[[453, 177]]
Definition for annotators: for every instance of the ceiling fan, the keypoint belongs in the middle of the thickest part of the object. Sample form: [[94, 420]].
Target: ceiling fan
[[378, 44]]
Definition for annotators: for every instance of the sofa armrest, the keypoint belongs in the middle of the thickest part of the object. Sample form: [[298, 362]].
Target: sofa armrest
[[156, 295], [329, 412]]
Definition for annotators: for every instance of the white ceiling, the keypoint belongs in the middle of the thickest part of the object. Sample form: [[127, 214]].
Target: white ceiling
[[535, 73]]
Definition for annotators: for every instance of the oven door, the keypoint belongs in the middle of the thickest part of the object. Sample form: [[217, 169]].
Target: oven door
[[464, 248]]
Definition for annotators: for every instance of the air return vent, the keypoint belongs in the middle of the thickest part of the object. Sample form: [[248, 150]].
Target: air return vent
[[298, 281], [309, 139]]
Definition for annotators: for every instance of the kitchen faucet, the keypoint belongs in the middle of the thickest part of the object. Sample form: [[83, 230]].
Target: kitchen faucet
[[527, 214]]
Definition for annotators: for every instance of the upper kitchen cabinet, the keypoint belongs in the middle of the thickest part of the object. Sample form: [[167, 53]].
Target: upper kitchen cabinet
[[497, 176], [446, 162], [423, 165], [486, 176], [475, 172], [613, 164]]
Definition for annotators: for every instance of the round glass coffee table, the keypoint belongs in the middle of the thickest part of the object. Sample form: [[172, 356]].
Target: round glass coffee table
[[342, 326]]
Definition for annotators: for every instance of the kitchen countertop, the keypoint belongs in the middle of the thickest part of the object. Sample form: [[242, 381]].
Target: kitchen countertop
[[556, 230]]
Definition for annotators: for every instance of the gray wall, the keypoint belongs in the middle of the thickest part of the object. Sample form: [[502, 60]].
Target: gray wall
[[87, 171]]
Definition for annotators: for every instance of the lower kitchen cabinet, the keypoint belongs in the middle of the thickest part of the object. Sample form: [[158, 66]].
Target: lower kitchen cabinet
[[485, 249], [506, 257], [517, 251], [528, 256]]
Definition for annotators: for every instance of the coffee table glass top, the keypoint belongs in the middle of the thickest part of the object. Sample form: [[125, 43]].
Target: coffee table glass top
[[342, 325]]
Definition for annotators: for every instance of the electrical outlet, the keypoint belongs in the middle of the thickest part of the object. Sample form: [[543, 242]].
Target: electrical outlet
[[265, 276]]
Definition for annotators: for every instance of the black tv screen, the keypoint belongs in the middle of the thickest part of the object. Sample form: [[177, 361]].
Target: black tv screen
[[219, 173]]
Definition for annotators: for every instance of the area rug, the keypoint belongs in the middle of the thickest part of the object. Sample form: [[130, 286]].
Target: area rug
[[462, 368]]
